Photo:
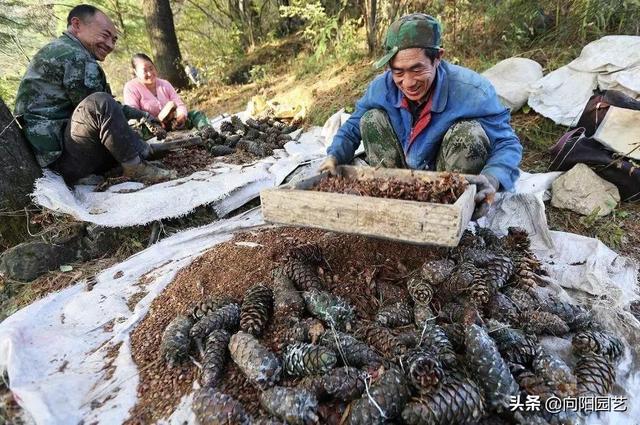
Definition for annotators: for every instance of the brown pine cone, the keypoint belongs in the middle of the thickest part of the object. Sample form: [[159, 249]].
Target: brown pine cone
[[215, 408], [294, 405], [286, 298], [345, 383], [597, 342], [303, 275], [543, 323], [257, 307], [595, 374], [423, 370], [351, 350], [457, 401], [555, 372]]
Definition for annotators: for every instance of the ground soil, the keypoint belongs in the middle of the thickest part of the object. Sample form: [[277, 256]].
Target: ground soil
[[366, 272]]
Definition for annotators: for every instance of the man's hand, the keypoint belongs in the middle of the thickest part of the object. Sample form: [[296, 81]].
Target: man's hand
[[330, 165], [486, 187]]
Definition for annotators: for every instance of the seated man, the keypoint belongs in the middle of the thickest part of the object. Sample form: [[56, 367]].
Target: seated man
[[66, 108], [427, 114]]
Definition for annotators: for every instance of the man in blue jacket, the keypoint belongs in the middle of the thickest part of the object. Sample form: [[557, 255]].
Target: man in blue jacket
[[427, 114]]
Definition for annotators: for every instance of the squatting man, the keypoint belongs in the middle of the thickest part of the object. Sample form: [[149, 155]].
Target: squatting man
[[427, 114]]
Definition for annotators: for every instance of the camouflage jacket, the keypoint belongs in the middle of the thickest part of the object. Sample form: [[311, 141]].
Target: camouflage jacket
[[58, 78]]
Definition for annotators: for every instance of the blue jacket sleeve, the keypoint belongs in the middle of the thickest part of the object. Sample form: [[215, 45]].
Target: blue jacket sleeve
[[347, 139], [506, 150]]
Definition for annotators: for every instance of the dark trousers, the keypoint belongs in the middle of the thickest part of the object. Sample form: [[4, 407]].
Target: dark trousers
[[96, 139]]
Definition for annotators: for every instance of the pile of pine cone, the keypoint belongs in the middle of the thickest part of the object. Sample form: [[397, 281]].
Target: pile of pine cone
[[445, 190], [456, 351], [258, 137]]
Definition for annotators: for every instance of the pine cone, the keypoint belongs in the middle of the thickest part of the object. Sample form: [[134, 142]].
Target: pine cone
[[256, 309], [303, 275], [523, 300], [577, 317], [490, 239], [214, 408], [492, 371], [543, 323], [314, 384], [205, 307], [226, 317], [287, 299], [435, 272], [513, 344], [555, 372], [533, 384], [423, 315], [175, 341], [310, 253], [457, 401], [345, 383], [293, 405], [237, 124], [305, 330], [498, 271], [395, 315], [409, 339], [423, 370], [260, 365], [455, 334], [307, 359], [219, 150], [382, 339], [351, 350], [454, 312], [433, 338], [420, 291], [329, 308], [595, 374], [458, 283], [480, 290], [383, 402], [226, 126], [501, 308], [596, 342], [517, 239], [215, 358]]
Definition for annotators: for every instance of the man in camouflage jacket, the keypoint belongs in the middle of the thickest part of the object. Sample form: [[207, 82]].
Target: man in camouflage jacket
[[66, 108]]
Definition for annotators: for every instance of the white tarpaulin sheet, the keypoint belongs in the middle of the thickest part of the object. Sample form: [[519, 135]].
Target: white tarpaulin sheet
[[56, 351], [224, 187], [612, 62]]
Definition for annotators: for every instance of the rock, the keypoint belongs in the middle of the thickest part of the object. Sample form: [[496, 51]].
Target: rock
[[583, 191], [28, 260]]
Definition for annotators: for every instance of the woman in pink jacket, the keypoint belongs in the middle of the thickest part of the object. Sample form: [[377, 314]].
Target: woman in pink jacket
[[149, 93]]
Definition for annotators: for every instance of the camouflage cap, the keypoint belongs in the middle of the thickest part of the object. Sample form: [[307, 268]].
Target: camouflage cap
[[414, 30]]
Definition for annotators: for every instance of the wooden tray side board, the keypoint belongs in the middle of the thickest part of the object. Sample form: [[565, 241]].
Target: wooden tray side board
[[407, 221]]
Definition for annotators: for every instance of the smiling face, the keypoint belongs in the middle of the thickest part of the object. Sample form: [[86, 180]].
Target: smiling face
[[413, 72], [145, 71], [97, 34]]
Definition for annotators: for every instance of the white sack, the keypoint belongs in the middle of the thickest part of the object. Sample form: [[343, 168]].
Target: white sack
[[512, 78]]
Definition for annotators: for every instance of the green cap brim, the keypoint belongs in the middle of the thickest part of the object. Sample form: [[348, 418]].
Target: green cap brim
[[386, 58]]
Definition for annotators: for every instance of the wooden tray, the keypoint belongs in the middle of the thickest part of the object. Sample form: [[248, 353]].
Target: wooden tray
[[407, 221]]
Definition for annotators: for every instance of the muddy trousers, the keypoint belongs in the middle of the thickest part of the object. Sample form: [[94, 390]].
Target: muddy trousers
[[465, 147], [96, 139]]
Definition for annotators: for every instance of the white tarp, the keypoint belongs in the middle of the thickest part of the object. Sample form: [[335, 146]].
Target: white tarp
[[55, 351], [512, 79], [612, 62], [224, 187]]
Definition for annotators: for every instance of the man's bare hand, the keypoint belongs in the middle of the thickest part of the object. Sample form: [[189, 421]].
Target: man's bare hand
[[486, 187], [330, 165]]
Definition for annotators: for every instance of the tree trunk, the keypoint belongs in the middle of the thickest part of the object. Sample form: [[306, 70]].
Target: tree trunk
[[18, 172], [371, 19], [164, 43]]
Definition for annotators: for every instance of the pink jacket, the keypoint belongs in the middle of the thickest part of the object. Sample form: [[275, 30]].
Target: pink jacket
[[137, 95]]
